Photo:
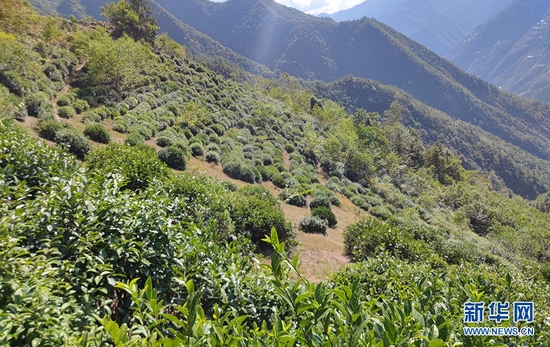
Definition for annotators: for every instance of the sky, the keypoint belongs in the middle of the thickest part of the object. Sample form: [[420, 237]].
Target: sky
[[320, 6], [316, 7]]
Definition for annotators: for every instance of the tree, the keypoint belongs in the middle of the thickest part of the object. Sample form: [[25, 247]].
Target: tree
[[443, 164], [134, 18], [119, 63]]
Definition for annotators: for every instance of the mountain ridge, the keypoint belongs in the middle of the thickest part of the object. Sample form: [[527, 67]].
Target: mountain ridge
[[511, 50], [440, 26]]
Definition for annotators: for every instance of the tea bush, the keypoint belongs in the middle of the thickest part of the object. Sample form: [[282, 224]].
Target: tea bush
[[81, 106], [259, 212], [98, 133], [320, 201], [64, 101], [293, 197], [134, 138], [36, 104], [174, 157], [212, 157], [164, 141], [370, 237], [197, 149], [47, 128], [75, 142], [66, 112], [236, 168], [138, 165], [326, 214], [313, 225]]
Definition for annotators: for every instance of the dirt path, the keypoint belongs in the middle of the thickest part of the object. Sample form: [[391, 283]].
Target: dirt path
[[61, 93], [320, 256]]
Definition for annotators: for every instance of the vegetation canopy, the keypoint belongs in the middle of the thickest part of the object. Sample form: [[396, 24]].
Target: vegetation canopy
[[133, 18]]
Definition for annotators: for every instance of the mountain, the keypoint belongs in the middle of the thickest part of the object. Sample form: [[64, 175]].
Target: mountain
[[290, 41], [66, 8], [438, 25], [512, 50]]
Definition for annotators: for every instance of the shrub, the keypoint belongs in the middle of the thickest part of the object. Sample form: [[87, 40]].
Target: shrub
[[218, 129], [359, 201], [212, 147], [36, 103], [120, 126], [293, 197], [229, 186], [257, 212], [373, 200], [47, 128], [174, 157], [320, 201], [289, 148], [197, 149], [66, 112], [369, 237], [236, 168], [326, 214], [213, 138], [279, 180], [213, 157], [81, 106], [75, 142], [15, 83], [98, 133], [313, 225], [267, 172], [164, 141], [380, 211], [144, 130], [91, 117], [63, 101], [324, 193], [138, 165], [181, 144], [134, 138], [21, 114]]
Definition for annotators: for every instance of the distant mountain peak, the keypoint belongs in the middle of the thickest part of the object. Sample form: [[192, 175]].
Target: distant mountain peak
[[439, 25]]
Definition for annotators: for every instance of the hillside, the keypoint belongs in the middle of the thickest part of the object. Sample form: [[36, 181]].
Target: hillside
[[109, 236], [439, 25], [311, 47], [511, 50], [523, 173]]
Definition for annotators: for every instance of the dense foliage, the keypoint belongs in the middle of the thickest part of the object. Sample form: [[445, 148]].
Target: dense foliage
[[133, 18]]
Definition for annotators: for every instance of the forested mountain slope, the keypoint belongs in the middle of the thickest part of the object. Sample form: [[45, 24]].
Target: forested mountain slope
[[310, 47], [108, 239], [523, 172], [439, 25], [511, 50]]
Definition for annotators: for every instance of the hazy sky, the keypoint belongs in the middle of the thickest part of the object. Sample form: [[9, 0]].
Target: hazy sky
[[318, 6]]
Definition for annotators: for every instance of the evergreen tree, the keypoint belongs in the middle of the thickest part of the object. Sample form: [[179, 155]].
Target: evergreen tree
[[132, 17]]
